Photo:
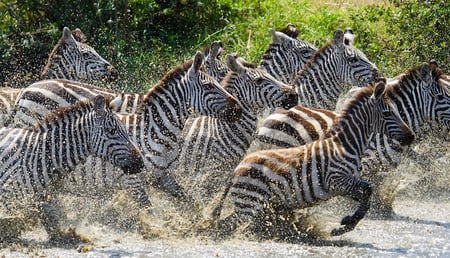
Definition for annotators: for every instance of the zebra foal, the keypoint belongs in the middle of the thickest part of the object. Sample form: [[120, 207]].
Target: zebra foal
[[295, 178], [34, 161]]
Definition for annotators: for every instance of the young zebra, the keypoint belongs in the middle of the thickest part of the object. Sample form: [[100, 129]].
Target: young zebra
[[211, 147], [286, 54], [283, 180], [34, 161], [418, 94], [321, 79]]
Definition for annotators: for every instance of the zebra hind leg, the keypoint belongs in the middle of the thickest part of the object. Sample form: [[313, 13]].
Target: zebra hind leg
[[361, 192]]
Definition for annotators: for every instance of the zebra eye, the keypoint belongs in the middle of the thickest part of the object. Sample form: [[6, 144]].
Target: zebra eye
[[86, 55], [259, 80]]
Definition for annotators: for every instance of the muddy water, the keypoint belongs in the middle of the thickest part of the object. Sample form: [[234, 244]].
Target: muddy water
[[109, 227]]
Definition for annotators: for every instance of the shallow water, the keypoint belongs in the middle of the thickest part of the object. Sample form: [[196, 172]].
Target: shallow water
[[422, 228]]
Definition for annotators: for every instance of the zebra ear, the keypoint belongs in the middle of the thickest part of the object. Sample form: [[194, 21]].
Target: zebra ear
[[116, 103], [79, 35], [425, 72], [100, 105], [277, 37], [338, 38], [198, 62], [216, 48], [234, 65], [68, 38], [378, 90]]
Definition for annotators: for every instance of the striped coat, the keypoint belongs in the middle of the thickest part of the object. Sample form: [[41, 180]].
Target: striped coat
[[283, 180]]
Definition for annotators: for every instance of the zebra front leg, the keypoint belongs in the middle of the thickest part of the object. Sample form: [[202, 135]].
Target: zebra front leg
[[360, 192], [135, 185]]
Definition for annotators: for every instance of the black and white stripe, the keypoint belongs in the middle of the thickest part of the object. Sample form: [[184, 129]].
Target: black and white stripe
[[336, 64], [33, 161], [284, 180], [418, 94], [212, 147]]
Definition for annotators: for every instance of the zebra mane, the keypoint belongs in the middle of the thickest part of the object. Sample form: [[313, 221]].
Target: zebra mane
[[414, 72], [77, 34], [58, 113], [180, 70], [228, 76], [361, 95]]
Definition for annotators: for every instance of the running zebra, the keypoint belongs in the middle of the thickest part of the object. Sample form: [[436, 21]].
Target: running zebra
[[322, 78], [284, 180], [420, 96], [212, 147], [73, 59], [33, 161], [154, 127], [286, 54]]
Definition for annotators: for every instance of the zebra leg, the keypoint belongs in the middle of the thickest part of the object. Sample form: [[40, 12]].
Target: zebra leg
[[51, 215], [135, 185], [360, 192], [167, 183]]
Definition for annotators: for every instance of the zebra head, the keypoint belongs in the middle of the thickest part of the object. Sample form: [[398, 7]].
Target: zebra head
[[256, 88], [109, 139], [421, 96], [207, 97], [215, 67], [389, 119], [355, 67], [73, 59], [286, 55]]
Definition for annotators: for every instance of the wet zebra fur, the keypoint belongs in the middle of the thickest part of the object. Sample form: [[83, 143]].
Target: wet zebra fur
[[420, 96], [71, 59], [288, 179], [34, 161], [154, 127], [212, 147], [320, 81]]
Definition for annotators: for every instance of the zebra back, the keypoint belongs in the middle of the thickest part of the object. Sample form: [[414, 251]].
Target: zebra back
[[41, 98], [286, 54], [287, 179], [73, 59], [212, 147], [322, 78]]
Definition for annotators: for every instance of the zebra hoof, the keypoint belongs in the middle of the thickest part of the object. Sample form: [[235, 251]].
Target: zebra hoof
[[341, 231], [349, 221]]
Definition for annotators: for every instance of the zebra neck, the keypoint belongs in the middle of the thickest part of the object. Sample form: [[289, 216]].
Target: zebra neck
[[319, 84], [64, 65], [355, 134], [63, 148]]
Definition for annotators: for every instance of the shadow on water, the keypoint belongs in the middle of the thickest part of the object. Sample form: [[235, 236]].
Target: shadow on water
[[398, 217]]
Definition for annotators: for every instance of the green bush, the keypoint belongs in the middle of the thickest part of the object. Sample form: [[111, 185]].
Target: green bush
[[144, 39]]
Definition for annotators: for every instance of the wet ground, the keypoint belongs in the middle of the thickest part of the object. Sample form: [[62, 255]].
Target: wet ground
[[108, 228]]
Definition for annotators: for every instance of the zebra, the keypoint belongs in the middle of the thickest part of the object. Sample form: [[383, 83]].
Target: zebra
[[283, 180], [286, 54], [420, 96], [320, 81], [34, 161], [154, 127], [215, 67], [72, 59], [212, 147]]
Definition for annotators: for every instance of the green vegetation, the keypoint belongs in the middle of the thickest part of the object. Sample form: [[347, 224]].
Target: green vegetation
[[144, 39]]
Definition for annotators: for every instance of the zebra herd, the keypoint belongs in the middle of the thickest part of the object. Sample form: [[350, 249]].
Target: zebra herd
[[200, 133]]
